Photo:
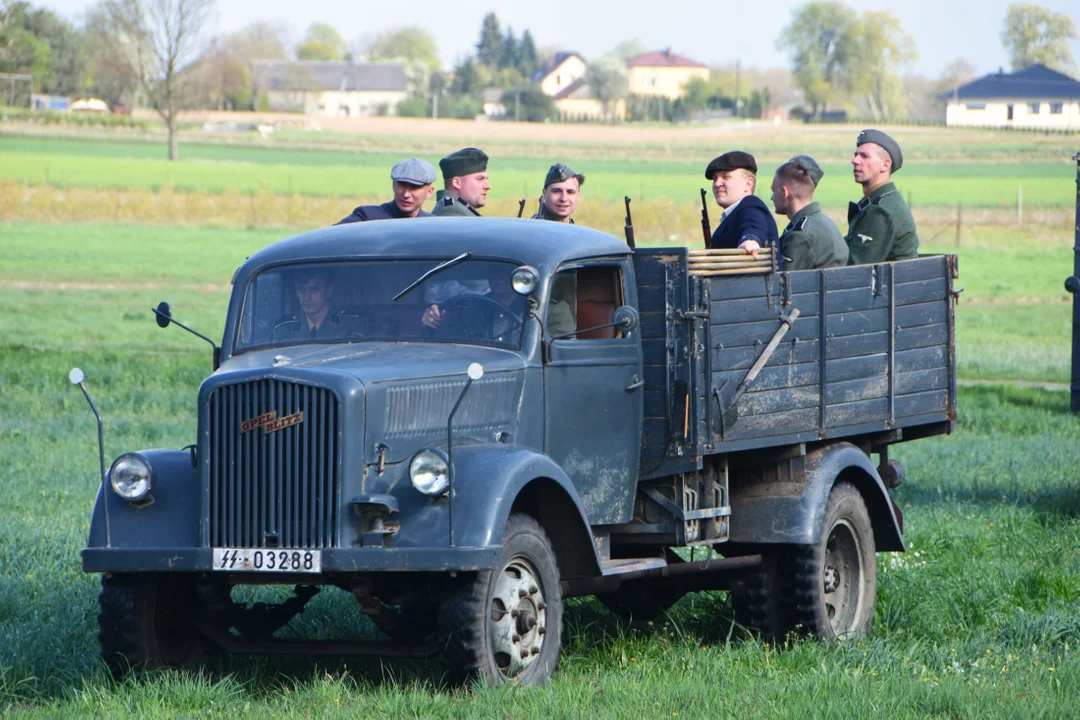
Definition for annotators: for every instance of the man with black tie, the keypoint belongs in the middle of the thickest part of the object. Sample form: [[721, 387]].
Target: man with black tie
[[318, 323]]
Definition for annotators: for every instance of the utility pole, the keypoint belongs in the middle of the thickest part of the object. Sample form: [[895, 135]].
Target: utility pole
[[738, 94]]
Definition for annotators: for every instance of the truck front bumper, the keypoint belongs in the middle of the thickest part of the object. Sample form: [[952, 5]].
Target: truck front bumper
[[334, 560]]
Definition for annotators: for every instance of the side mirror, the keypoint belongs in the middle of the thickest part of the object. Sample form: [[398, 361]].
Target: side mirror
[[626, 318], [163, 314]]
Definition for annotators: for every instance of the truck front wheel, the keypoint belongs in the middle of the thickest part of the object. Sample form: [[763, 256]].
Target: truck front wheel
[[148, 621], [834, 581], [505, 626]]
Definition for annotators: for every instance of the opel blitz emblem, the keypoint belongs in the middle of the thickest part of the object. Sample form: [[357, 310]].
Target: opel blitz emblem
[[270, 422]]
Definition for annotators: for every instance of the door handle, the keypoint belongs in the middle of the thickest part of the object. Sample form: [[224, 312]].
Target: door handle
[[635, 384]]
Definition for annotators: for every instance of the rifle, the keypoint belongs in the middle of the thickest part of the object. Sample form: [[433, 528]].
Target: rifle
[[521, 206], [706, 231], [629, 229]]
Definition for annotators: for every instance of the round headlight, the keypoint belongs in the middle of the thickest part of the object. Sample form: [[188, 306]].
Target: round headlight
[[130, 476], [524, 280], [429, 472]]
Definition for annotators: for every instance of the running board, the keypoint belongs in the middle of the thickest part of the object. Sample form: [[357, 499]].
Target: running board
[[701, 575]]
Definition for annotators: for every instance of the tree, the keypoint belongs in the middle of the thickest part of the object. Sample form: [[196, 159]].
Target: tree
[[416, 48], [489, 48], [606, 78], [530, 104], [528, 59], [628, 49], [880, 50], [223, 78], [1034, 34], [258, 41], [41, 43], [819, 42], [467, 78], [508, 51], [153, 40], [322, 42], [22, 52]]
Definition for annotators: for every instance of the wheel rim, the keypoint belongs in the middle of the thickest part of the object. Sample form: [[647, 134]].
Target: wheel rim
[[843, 580], [518, 618]]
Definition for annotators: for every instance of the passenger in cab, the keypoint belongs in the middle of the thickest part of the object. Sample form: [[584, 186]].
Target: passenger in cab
[[413, 183], [811, 239], [317, 319], [880, 226]]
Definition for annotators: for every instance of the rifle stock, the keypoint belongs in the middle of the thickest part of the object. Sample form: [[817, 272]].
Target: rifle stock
[[521, 206], [706, 231], [629, 229]]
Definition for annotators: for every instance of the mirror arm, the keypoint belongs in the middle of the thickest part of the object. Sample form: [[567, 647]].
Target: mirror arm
[[174, 321]]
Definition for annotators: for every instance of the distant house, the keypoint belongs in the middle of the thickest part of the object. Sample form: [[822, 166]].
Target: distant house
[[562, 78], [559, 72], [331, 89], [492, 100], [662, 72], [1035, 97]]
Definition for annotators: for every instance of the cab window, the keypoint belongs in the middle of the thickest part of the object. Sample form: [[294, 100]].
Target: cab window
[[583, 298]]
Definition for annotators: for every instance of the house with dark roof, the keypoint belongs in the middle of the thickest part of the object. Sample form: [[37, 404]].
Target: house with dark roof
[[1035, 97], [330, 89], [558, 72], [662, 72], [562, 78]]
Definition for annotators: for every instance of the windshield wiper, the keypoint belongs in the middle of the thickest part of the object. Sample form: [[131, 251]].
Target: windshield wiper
[[438, 268]]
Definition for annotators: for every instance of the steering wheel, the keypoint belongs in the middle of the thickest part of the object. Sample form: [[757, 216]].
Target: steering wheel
[[467, 305]]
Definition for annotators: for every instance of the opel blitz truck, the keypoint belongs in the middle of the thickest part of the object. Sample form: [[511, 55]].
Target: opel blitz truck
[[464, 422]]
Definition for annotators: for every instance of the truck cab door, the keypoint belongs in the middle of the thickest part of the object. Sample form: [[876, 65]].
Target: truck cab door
[[593, 389]]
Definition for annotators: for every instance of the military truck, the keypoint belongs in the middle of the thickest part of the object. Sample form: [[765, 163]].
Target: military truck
[[464, 422]]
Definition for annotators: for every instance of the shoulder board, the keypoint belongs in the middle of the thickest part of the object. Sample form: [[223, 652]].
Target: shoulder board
[[448, 200], [800, 223]]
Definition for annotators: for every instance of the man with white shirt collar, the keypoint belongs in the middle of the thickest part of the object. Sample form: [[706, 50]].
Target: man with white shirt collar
[[746, 222]]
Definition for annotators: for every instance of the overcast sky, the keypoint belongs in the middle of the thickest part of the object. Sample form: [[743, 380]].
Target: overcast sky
[[713, 33]]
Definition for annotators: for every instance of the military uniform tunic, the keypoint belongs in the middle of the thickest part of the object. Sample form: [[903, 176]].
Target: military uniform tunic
[[545, 214], [880, 228], [447, 203], [811, 240]]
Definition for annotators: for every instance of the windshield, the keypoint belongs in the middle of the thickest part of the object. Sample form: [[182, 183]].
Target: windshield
[[472, 301]]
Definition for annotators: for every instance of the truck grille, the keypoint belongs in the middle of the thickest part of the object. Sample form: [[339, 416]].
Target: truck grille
[[273, 465]]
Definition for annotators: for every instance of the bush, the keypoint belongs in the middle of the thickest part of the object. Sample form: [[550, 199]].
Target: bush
[[412, 107], [51, 117]]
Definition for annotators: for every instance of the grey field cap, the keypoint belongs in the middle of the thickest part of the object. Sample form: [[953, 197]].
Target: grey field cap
[[810, 165], [413, 171]]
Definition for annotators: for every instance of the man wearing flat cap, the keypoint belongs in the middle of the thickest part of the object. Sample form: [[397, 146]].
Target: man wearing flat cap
[[746, 222], [413, 184], [811, 240], [562, 190], [465, 183], [880, 226]]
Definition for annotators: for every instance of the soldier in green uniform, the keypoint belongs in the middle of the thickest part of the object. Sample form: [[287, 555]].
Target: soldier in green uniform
[[562, 190], [465, 183], [811, 240], [880, 226]]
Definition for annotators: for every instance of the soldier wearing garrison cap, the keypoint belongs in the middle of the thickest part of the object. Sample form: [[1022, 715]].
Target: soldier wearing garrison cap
[[465, 183], [413, 182], [811, 240], [562, 190], [880, 226], [746, 222]]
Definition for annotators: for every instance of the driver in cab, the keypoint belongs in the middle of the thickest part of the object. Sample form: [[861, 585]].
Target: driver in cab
[[495, 315], [317, 321]]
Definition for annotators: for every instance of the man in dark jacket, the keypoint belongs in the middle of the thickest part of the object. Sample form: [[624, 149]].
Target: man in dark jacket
[[414, 181], [746, 222]]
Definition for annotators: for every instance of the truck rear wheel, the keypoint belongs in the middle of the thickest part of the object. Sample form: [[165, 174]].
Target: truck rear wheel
[[834, 582], [506, 625], [148, 621]]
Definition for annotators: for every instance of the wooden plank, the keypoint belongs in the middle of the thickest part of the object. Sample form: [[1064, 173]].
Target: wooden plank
[[651, 298], [921, 359], [845, 278], [855, 413], [654, 351], [748, 333], [920, 291], [858, 299], [858, 323], [653, 324], [730, 312], [922, 403], [803, 281], [770, 378], [762, 402], [921, 336], [653, 270], [855, 368], [847, 346], [787, 353], [734, 272], [856, 390], [783, 423], [922, 381], [743, 287], [920, 269]]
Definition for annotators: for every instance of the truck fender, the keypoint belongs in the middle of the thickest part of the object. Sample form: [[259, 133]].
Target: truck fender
[[168, 518], [796, 519], [492, 481]]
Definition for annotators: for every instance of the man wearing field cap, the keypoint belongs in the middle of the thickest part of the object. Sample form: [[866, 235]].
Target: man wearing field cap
[[562, 190], [413, 184], [746, 222], [880, 226], [811, 240], [465, 183]]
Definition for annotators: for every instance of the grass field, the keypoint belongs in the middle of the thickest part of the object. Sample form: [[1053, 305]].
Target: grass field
[[980, 617], [363, 175]]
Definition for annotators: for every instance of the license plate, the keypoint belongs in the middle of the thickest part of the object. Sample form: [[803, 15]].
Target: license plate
[[267, 560]]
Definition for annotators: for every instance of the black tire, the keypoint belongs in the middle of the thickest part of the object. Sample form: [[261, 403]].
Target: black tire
[[505, 625], [148, 622], [756, 597], [834, 582]]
